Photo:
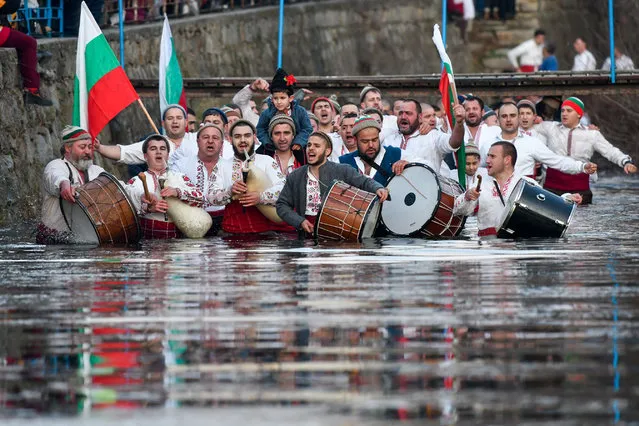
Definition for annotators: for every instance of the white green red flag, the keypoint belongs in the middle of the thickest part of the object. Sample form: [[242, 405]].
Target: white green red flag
[[171, 84], [101, 88], [449, 95]]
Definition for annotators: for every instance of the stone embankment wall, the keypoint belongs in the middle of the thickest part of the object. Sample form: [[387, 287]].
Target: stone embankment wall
[[342, 37]]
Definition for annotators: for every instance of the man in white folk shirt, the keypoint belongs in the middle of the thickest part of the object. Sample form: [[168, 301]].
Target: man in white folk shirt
[[174, 124], [325, 111], [205, 167], [154, 221], [475, 130], [529, 53], [372, 97], [241, 215], [59, 180], [574, 140], [531, 150], [346, 134], [527, 116], [429, 148], [488, 204]]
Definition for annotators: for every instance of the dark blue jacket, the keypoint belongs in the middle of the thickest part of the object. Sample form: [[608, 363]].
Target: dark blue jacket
[[391, 156], [303, 128]]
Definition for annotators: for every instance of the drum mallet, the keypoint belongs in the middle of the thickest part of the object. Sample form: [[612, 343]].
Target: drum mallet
[[142, 177], [478, 183]]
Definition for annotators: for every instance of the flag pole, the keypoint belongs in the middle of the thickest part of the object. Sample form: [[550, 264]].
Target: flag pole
[[121, 28], [148, 116], [280, 38]]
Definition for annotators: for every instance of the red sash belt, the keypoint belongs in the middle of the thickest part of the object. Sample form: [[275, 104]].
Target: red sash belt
[[239, 220], [487, 232], [560, 181], [527, 68], [158, 229]]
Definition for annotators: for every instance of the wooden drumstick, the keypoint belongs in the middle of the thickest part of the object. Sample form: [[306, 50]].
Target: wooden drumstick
[[142, 177], [478, 183]]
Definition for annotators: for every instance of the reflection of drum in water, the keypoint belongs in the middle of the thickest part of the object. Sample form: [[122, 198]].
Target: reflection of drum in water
[[532, 211], [421, 204], [347, 213], [102, 213]]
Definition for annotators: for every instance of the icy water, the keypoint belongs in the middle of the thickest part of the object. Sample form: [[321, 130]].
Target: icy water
[[281, 332]]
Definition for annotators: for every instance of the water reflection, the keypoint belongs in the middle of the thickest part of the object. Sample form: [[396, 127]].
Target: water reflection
[[441, 332]]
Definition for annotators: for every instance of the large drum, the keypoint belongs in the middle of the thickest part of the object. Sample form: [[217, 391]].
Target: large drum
[[421, 204], [532, 211], [347, 213], [102, 213]]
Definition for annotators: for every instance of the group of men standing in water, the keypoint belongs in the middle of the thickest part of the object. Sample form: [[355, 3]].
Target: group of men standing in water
[[296, 154]]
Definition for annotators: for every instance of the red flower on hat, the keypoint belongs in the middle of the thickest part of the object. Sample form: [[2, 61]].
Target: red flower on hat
[[290, 80]]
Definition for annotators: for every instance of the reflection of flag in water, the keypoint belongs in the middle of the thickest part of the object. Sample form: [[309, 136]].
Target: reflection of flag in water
[[101, 88], [449, 95], [170, 84]]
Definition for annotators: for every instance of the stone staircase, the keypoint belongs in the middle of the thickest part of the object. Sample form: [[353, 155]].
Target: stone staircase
[[490, 40]]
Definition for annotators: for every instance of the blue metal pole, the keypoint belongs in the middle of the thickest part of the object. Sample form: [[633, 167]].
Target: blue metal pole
[[280, 38], [444, 20], [611, 24], [121, 26]]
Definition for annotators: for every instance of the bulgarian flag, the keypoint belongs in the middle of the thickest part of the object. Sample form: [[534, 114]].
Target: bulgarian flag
[[171, 86], [449, 96], [101, 88]]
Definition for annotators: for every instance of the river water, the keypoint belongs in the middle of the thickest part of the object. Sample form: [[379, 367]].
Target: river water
[[276, 331]]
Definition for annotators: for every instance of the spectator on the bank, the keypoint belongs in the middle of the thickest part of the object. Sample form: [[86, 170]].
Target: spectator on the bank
[[529, 53], [622, 62], [584, 60], [27, 50], [464, 9], [550, 60]]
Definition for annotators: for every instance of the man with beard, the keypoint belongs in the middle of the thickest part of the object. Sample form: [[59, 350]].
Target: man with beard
[[282, 132], [475, 131], [152, 211], [306, 187], [372, 159], [205, 167], [488, 204], [574, 140], [531, 150], [174, 124], [429, 148], [325, 111], [60, 178], [346, 132], [241, 215]]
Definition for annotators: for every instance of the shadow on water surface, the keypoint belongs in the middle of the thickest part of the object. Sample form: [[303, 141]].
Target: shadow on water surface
[[279, 331]]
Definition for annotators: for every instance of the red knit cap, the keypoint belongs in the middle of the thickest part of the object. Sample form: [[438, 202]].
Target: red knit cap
[[576, 104]]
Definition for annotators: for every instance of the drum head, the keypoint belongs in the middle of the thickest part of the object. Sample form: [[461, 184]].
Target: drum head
[[371, 220], [414, 198], [83, 230]]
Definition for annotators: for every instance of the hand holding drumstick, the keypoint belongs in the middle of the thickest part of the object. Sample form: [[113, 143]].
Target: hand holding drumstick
[[155, 205]]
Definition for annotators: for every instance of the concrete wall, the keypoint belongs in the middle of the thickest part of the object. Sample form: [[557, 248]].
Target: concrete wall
[[345, 37]]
